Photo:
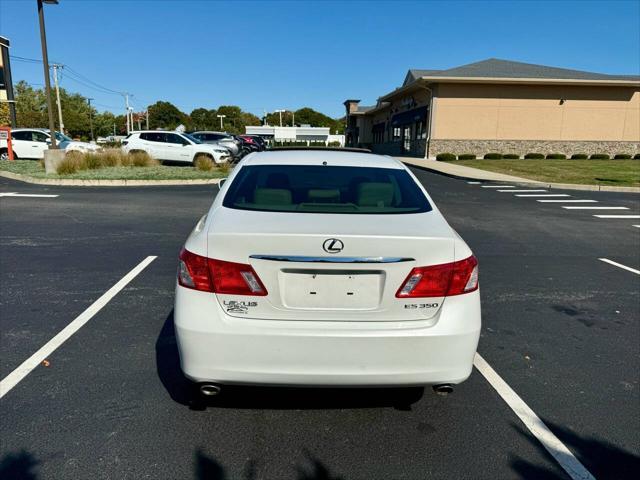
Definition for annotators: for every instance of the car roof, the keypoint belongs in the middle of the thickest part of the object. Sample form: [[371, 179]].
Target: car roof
[[311, 157]]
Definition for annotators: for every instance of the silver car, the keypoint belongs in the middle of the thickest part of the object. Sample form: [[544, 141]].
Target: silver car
[[219, 138]]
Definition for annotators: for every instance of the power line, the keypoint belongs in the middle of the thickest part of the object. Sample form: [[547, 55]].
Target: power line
[[77, 76]]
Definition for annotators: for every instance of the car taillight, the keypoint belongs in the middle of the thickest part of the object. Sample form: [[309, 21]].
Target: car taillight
[[441, 280], [218, 276]]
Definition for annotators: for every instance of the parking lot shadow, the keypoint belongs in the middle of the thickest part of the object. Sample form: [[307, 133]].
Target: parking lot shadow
[[207, 468], [183, 392], [18, 466], [603, 459]]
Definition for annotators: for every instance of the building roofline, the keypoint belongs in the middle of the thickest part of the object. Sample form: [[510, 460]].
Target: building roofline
[[631, 82], [501, 80]]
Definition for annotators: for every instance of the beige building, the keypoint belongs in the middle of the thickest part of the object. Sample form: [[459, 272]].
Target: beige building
[[501, 106]]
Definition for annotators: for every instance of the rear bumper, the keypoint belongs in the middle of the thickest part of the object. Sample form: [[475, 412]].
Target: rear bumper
[[215, 347]]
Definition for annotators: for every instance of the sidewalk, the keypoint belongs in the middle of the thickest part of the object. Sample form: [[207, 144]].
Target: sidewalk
[[469, 173]]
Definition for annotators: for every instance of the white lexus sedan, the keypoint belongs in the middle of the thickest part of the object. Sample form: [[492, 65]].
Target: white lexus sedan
[[325, 268]]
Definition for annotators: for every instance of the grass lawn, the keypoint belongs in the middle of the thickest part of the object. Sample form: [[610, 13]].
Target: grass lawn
[[625, 173], [161, 172]]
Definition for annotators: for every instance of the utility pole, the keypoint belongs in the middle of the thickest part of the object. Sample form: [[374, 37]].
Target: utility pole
[[280, 112], [126, 102], [114, 129], [293, 122], [90, 117], [47, 80], [147, 116], [221, 117], [55, 81]]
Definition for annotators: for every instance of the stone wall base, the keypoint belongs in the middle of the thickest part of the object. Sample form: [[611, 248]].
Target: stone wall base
[[522, 147]]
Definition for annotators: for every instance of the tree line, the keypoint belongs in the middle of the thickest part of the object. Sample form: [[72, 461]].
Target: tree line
[[31, 111]]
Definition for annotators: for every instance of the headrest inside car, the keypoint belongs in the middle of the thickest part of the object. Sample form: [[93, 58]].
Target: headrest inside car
[[324, 195], [272, 196], [374, 194]]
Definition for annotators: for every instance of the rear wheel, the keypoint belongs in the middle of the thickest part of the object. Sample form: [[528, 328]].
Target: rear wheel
[[4, 154]]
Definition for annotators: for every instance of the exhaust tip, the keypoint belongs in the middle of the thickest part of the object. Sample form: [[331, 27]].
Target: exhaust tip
[[443, 389], [210, 389]]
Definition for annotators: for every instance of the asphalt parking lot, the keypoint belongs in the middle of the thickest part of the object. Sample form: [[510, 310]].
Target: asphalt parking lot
[[560, 326]]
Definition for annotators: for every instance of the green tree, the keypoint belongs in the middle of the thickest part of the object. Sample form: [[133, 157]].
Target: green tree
[[31, 106], [202, 119], [165, 115]]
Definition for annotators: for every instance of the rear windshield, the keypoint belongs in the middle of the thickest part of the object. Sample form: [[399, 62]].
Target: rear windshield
[[325, 189]]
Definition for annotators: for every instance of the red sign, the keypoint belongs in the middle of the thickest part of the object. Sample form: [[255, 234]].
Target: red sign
[[5, 134]]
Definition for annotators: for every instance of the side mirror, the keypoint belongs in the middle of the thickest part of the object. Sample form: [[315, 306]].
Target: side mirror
[[221, 182], [48, 141]]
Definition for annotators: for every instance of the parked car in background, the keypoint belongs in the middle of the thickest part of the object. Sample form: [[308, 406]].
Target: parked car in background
[[256, 140], [247, 145], [219, 138], [173, 146], [357, 279], [32, 142]]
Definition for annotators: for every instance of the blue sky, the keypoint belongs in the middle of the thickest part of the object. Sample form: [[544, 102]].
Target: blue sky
[[269, 55]]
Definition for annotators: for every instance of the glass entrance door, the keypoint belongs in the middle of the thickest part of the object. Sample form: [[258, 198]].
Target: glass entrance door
[[406, 139]]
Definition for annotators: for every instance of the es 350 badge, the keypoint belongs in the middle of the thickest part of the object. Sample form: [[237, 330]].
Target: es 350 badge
[[234, 306]]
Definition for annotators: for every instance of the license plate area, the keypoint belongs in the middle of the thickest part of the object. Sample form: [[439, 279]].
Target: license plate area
[[331, 289]]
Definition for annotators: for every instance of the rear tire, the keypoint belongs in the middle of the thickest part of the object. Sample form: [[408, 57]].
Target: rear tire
[[4, 154]]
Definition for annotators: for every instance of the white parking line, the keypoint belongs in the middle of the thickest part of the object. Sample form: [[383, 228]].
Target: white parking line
[[536, 426], [521, 191], [14, 194], [498, 186], [34, 360], [474, 183], [544, 195], [617, 216], [596, 208], [567, 201], [637, 226], [619, 265]]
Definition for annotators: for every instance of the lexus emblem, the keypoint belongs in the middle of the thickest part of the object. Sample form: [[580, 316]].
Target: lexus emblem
[[332, 245]]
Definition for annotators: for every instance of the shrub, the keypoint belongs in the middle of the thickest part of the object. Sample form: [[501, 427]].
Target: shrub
[[511, 156], [599, 156], [335, 143], [445, 157], [91, 161], [534, 156], [204, 163], [636, 156], [142, 159], [111, 157], [622, 156], [467, 156], [493, 156], [224, 167], [556, 156], [68, 165], [579, 156]]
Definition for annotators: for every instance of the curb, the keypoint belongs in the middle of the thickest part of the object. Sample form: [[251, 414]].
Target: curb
[[533, 183], [67, 182]]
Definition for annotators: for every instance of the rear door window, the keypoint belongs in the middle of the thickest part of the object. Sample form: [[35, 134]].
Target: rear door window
[[159, 137], [325, 189]]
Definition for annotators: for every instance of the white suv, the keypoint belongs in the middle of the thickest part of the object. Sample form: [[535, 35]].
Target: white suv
[[173, 146], [32, 142], [325, 268]]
